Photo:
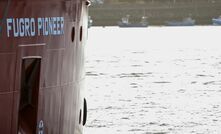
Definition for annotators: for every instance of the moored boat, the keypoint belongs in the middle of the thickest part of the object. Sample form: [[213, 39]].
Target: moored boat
[[216, 21], [185, 22], [126, 23], [90, 22]]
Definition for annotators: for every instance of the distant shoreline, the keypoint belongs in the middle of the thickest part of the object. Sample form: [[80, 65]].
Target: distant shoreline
[[157, 13]]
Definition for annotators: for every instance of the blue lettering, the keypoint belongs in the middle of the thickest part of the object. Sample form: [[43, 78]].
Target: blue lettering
[[26, 27], [16, 28], [40, 27], [54, 26], [58, 26], [62, 25], [21, 27], [9, 27], [32, 27], [46, 26]]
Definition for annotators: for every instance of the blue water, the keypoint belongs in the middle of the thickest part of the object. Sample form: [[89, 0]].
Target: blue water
[[155, 80]]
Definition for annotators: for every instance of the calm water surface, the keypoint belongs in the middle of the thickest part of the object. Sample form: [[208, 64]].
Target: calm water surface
[[156, 80]]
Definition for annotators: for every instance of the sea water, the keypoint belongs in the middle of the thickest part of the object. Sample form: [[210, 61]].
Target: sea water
[[155, 80]]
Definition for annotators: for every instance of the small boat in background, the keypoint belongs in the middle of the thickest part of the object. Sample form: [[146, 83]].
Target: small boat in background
[[216, 21], [126, 23], [185, 22], [90, 21]]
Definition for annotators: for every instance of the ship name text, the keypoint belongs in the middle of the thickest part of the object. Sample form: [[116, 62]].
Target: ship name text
[[29, 27]]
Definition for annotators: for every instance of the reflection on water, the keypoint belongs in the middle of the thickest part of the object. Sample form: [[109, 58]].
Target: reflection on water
[[155, 80]]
